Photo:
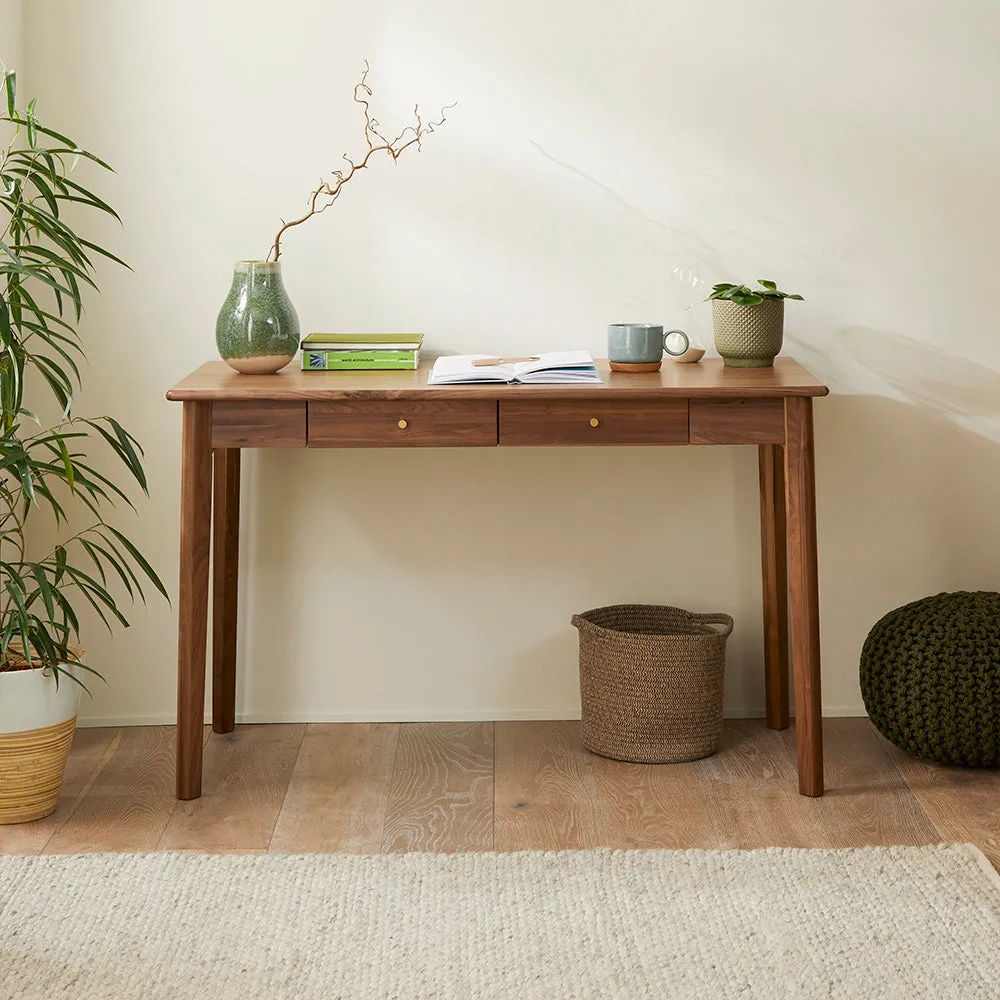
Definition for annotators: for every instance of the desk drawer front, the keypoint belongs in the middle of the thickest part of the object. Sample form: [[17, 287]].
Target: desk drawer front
[[594, 421], [406, 424], [737, 421], [265, 424]]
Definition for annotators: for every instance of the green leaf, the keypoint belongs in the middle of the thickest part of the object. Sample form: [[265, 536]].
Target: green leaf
[[89, 198], [50, 260], [17, 595], [95, 559], [120, 566], [104, 253], [69, 614], [57, 380], [69, 146], [124, 446], [95, 592], [5, 331], [67, 462], [10, 86], [95, 482], [24, 475], [140, 559], [744, 296], [798, 298], [45, 589], [49, 655], [30, 123]]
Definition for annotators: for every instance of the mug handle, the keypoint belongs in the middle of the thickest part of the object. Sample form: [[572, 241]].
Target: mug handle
[[687, 343]]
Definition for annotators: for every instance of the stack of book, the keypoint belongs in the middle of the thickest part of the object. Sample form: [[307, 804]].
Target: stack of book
[[329, 352]]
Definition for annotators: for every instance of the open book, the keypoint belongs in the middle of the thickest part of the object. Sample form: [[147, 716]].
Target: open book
[[571, 367]]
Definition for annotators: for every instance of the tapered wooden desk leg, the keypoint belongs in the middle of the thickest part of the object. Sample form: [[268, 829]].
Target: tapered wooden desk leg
[[225, 585], [775, 579], [192, 598], [800, 489]]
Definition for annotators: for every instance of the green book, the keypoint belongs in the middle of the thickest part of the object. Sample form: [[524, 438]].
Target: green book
[[329, 361], [363, 341]]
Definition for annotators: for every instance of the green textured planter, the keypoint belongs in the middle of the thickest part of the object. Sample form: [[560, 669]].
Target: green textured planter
[[748, 336], [257, 331]]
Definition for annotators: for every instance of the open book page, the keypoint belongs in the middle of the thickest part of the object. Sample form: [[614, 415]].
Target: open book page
[[553, 367], [558, 366], [459, 368]]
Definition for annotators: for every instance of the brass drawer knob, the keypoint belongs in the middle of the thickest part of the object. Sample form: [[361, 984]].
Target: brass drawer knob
[[401, 424], [594, 422]]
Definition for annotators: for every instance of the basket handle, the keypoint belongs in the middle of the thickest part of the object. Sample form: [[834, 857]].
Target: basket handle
[[726, 621], [584, 624]]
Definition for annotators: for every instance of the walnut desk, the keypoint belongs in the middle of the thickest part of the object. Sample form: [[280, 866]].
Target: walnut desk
[[682, 404]]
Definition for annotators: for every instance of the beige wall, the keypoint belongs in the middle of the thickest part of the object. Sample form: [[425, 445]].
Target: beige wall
[[850, 152], [11, 34]]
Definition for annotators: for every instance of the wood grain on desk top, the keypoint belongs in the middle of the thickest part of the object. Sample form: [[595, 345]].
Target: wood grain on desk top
[[216, 380]]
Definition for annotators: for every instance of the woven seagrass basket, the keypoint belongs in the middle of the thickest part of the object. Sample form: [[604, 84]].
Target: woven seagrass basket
[[651, 681]]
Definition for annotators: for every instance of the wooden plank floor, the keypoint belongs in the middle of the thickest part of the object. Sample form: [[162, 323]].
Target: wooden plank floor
[[503, 786]]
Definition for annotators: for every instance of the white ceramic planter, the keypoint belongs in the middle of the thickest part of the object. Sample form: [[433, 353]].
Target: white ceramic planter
[[37, 720], [29, 699]]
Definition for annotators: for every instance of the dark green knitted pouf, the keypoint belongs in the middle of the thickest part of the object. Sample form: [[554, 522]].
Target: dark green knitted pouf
[[930, 678]]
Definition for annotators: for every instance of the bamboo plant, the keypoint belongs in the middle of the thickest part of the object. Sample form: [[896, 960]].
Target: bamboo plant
[[49, 466]]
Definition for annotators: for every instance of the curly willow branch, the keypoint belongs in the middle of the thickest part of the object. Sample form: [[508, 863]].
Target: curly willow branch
[[328, 191]]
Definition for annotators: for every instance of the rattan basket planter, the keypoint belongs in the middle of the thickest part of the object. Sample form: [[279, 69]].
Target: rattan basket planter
[[651, 682], [37, 721]]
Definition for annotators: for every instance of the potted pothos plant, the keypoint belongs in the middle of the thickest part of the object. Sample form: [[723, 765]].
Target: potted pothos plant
[[72, 557], [749, 323]]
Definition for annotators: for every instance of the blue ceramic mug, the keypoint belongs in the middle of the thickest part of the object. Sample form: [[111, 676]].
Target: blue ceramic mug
[[643, 344]]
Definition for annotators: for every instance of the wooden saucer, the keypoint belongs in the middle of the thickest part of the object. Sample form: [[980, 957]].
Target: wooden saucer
[[624, 366]]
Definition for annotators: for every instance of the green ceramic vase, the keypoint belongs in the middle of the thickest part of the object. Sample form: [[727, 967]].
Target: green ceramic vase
[[257, 331]]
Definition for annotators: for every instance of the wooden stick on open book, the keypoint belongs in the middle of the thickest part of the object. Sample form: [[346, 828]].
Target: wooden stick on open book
[[486, 362]]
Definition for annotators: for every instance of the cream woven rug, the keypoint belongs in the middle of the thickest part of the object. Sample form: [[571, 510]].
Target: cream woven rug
[[875, 923]]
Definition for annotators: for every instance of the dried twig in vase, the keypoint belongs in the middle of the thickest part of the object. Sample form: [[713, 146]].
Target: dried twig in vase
[[329, 191]]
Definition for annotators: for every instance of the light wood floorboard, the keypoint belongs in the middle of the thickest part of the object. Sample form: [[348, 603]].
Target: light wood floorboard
[[339, 792], [546, 788], [505, 786], [867, 801], [246, 776], [441, 792], [962, 803], [648, 806], [129, 803]]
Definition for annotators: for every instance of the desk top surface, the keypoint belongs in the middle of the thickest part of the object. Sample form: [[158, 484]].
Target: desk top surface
[[707, 379]]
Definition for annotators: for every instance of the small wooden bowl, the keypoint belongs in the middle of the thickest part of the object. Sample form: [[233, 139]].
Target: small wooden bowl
[[624, 366], [690, 356]]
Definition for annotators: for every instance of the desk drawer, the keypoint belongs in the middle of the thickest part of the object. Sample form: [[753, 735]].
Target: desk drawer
[[269, 423], [594, 421], [737, 421], [404, 424]]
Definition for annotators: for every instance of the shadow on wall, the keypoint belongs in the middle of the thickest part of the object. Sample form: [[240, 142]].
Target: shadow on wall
[[962, 390], [906, 506]]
